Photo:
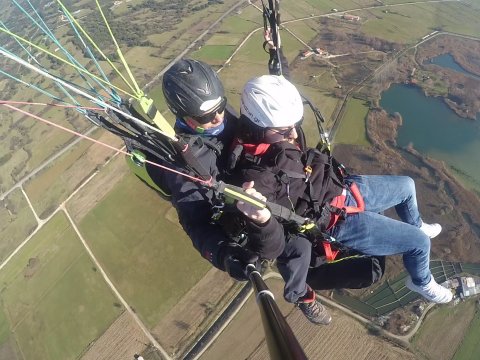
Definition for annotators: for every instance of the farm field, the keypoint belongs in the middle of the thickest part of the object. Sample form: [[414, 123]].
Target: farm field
[[54, 184], [343, 339], [135, 234], [446, 323], [353, 126], [53, 298], [470, 346], [407, 24], [16, 222], [148, 257]]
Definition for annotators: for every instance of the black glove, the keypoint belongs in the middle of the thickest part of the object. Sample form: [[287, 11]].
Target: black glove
[[235, 259]]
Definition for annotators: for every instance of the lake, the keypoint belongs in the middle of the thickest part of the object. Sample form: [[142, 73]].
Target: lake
[[435, 130], [448, 61]]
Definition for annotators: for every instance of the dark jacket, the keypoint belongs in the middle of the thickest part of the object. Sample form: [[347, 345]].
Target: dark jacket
[[279, 174], [193, 201]]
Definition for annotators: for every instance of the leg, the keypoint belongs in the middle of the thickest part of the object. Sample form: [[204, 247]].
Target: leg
[[293, 265], [375, 234], [382, 192]]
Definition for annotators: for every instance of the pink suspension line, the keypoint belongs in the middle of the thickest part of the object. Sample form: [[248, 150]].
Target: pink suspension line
[[193, 178]]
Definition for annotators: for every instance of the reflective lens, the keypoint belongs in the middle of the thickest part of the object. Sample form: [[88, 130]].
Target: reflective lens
[[283, 132], [211, 115]]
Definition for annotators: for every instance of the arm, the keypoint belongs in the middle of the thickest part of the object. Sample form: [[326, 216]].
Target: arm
[[194, 209], [265, 234]]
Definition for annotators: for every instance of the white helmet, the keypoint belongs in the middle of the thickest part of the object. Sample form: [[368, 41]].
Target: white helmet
[[271, 101]]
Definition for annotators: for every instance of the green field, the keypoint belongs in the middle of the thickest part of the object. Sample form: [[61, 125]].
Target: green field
[[213, 54], [470, 346], [16, 223], [4, 328], [352, 128], [135, 235], [446, 322], [409, 23], [55, 300], [55, 183]]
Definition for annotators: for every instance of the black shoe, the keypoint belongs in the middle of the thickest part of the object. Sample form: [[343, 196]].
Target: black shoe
[[313, 310]]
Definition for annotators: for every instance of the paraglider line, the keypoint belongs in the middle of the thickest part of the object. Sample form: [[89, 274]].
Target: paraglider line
[[193, 178]]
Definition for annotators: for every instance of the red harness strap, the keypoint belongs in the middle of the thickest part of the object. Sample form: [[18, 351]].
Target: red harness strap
[[338, 202]]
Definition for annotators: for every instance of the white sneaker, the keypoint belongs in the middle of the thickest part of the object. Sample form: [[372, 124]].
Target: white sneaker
[[432, 291], [431, 230]]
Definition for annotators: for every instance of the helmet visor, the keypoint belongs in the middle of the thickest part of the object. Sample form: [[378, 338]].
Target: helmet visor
[[208, 117]]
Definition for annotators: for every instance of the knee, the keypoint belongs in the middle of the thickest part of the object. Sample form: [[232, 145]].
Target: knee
[[423, 241], [298, 245], [408, 183]]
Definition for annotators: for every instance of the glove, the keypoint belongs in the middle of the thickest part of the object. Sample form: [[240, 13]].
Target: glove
[[235, 260]]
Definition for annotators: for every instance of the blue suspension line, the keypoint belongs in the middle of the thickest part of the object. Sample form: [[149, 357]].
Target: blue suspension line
[[31, 56], [112, 92], [21, 45], [52, 37], [43, 91]]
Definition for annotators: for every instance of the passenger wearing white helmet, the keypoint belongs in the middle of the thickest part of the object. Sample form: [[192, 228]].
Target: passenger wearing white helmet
[[309, 182]]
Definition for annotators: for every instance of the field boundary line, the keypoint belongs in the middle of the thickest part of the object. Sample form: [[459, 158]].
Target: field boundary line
[[114, 289]]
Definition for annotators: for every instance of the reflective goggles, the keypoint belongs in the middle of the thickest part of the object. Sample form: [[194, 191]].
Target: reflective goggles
[[273, 135], [204, 119]]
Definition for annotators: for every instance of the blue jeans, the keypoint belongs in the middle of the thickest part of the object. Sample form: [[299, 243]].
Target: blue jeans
[[374, 234]]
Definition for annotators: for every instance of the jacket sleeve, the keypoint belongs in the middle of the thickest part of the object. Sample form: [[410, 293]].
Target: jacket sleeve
[[267, 240], [194, 209]]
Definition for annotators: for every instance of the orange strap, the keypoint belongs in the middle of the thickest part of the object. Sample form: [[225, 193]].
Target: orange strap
[[330, 254], [339, 202]]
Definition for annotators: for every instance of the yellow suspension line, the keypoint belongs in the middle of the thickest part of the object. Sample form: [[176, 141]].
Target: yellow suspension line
[[67, 62], [98, 49], [138, 91]]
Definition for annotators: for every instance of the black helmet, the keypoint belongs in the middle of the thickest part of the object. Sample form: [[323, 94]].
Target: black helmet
[[192, 88]]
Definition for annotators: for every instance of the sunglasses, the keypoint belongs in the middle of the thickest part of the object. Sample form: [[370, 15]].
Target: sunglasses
[[211, 115], [275, 135], [283, 132]]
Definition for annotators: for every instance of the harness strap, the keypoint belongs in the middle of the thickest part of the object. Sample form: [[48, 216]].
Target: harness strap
[[337, 206], [330, 254]]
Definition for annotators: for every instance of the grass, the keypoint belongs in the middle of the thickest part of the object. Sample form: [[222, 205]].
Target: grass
[[445, 322], [408, 23], [470, 346], [326, 6], [213, 54], [305, 30], [4, 328], [149, 258], [16, 223], [55, 299], [53, 185], [240, 25], [224, 39], [352, 128]]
